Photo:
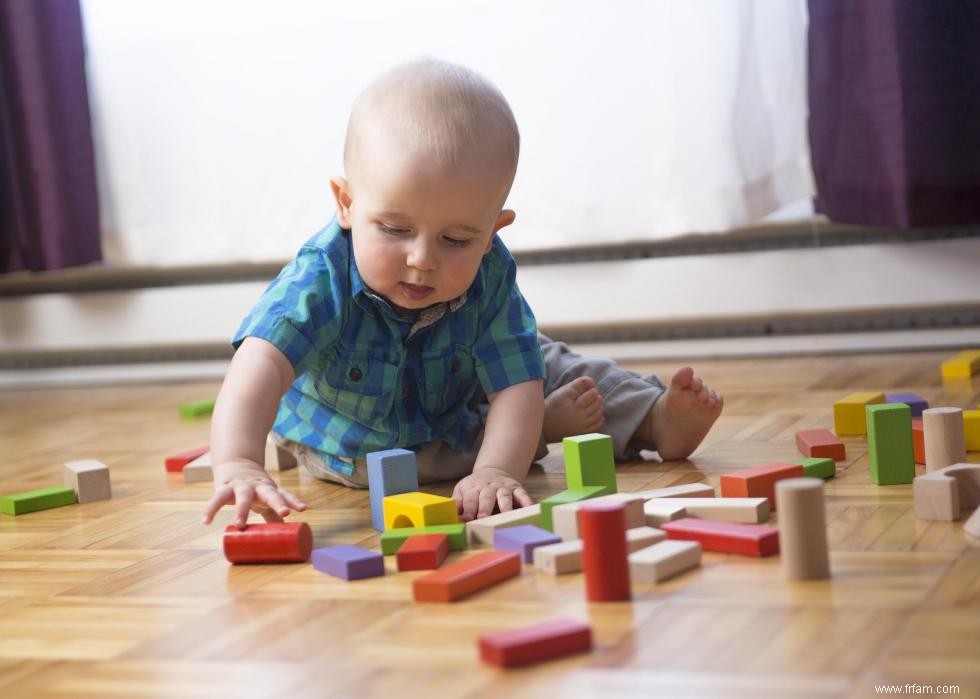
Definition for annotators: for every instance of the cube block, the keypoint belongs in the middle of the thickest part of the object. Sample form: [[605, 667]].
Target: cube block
[[849, 416]]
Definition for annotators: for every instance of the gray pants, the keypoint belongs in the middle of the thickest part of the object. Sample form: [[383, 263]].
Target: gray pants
[[627, 398]]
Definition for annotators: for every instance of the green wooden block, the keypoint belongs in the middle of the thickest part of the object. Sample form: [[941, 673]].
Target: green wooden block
[[589, 461], [197, 408], [565, 497], [392, 539], [890, 443], [818, 468], [34, 500]]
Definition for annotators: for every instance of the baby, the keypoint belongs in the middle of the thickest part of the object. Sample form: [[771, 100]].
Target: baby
[[400, 324]]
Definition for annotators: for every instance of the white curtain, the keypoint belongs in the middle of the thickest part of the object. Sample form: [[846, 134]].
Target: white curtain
[[218, 122]]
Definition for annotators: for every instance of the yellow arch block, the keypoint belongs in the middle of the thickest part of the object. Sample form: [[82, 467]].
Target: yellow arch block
[[418, 510]]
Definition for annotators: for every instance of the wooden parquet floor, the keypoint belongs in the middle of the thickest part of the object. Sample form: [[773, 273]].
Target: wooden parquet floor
[[132, 597]]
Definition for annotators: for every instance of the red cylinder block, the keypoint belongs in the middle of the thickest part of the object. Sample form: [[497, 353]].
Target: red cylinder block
[[602, 526], [284, 542]]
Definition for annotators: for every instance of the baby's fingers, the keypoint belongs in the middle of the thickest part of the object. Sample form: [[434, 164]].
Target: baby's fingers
[[523, 499], [268, 493], [222, 496], [244, 495], [505, 501], [293, 501], [488, 496]]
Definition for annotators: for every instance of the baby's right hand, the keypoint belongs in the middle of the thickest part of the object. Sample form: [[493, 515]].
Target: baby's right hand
[[246, 485]]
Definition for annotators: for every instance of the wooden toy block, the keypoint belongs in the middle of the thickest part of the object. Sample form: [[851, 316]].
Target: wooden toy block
[[565, 497], [199, 469], [759, 481], [890, 459], [390, 472], [393, 539], [820, 442], [803, 529], [462, 578], [523, 539], [688, 490], [664, 560], [748, 510], [565, 517], [607, 573], [349, 562], [658, 511], [278, 458], [962, 365], [971, 430], [89, 479], [422, 552], [418, 510], [176, 463], [918, 441], [726, 537], [849, 418], [33, 500], [942, 432], [566, 556], [532, 644], [481, 530], [915, 402], [972, 525], [272, 542], [197, 408], [818, 467], [589, 461], [943, 495]]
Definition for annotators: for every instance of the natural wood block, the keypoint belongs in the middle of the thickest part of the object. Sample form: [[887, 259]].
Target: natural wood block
[[942, 495], [33, 500], [820, 442], [660, 510], [271, 542], [803, 529], [664, 560], [176, 463], [759, 481], [566, 556], [589, 461], [918, 441], [972, 525], [971, 430], [849, 418], [90, 480], [422, 552], [278, 458], [565, 517], [962, 365], [818, 467], [942, 431], [915, 402], [726, 537], [890, 459], [418, 510], [531, 644], [481, 530], [688, 490], [565, 497], [390, 472], [604, 552], [199, 469], [523, 539], [462, 578], [393, 539], [749, 510], [349, 562]]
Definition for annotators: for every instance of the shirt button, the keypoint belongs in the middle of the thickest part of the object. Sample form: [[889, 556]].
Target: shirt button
[[355, 374], [405, 393]]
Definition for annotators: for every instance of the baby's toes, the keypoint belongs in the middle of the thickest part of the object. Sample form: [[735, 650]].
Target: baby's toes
[[696, 384]]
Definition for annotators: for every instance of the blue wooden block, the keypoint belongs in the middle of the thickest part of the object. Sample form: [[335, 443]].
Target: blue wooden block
[[349, 562], [390, 472], [523, 539], [915, 402]]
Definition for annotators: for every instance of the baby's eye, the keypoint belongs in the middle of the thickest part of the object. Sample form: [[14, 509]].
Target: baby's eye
[[456, 242], [393, 230]]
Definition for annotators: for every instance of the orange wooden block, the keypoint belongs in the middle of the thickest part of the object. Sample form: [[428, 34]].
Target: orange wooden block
[[270, 542], [820, 443], [467, 576], [533, 643], [918, 441], [758, 482], [602, 526], [422, 552]]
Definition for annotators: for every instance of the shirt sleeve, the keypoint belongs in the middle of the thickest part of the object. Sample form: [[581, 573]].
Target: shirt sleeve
[[507, 350], [301, 312]]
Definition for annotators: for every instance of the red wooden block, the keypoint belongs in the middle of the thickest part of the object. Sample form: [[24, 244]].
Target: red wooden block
[[725, 537], [918, 441], [602, 526], [422, 552], [176, 463], [820, 443], [283, 542], [533, 643], [758, 482], [464, 577]]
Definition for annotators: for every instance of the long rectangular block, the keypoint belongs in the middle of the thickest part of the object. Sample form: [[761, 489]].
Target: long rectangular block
[[759, 481], [747, 510], [566, 556], [660, 510], [565, 497], [971, 429], [89, 479], [915, 402], [820, 442], [962, 365], [589, 461], [176, 463], [687, 490], [918, 441], [523, 540], [890, 444], [422, 552], [565, 518], [390, 472], [664, 560], [462, 578], [392, 539], [535, 643], [199, 469], [481, 530], [33, 500], [349, 562], [849, 412], [818, 467], [726, 537]]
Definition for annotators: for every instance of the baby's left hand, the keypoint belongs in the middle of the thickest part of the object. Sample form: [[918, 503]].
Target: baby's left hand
[[476, 494]]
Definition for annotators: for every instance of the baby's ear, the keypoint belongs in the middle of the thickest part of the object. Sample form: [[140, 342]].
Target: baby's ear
[[505, 218], [341, 194]]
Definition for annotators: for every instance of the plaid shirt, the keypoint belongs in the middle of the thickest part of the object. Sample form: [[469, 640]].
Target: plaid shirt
[[369, 378]]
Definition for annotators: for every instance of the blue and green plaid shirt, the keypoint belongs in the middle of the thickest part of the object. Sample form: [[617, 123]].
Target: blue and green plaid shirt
[[370, 378]]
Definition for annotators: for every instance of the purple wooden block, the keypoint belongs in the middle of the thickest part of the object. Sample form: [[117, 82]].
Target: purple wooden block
[[915, 402], [523, 539], [349, 562]]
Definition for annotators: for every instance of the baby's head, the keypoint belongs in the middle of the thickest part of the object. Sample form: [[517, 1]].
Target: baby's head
[[430, 157]]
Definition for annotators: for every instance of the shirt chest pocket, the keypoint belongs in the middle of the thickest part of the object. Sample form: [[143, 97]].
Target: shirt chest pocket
[[448, 378], [358, 385]]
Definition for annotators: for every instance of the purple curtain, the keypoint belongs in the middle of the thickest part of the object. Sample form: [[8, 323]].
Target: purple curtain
[[895, 111], [49, 214]]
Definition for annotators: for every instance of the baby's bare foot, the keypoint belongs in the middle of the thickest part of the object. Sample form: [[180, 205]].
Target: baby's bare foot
[[573, 409], [681, 417]]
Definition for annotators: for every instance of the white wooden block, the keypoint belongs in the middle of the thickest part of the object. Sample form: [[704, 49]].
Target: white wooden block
[[564, 518], [481, 530], [566, 556], [664, 560], [89, 478], [658, 511], [746, 510], [688, 490], [199, 469], [972, 525], [277, 458]]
